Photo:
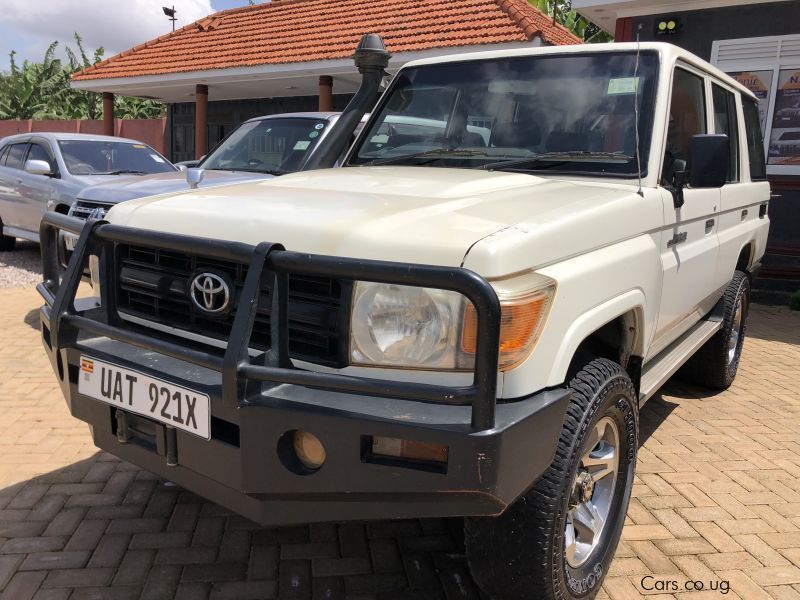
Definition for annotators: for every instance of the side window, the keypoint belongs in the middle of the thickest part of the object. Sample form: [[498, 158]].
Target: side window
[[16, 155], [687, 117], [3, 154], [37, 152], [755, 140], [725, 121]]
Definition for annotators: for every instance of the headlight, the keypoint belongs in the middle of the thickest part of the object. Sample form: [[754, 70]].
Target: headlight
[[420, 328], [403, 326]]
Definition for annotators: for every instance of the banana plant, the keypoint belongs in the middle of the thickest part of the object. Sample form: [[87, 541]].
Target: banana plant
[[562, 12]]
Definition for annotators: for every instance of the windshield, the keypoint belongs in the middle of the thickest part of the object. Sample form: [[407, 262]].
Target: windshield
[[267, 146], [570, 112], [99, 157]]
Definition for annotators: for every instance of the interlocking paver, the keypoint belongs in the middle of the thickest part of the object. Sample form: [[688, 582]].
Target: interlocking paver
[[715, 499]]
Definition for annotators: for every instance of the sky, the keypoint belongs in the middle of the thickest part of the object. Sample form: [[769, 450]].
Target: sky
[[30, 26]]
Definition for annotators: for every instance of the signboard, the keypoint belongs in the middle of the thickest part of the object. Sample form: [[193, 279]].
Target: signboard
[[784, 143]]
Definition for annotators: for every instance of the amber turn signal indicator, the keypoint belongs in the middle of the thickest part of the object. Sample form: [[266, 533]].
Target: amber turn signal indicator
[[521, 321], [410, 449]]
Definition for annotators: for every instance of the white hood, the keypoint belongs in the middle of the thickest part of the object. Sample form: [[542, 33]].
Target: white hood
[[411, 214]]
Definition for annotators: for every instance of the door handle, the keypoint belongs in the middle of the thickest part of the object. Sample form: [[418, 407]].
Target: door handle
[[744, 214], [709, 225]]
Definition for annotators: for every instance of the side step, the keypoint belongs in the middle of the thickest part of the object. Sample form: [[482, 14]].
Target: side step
[[657, 371]]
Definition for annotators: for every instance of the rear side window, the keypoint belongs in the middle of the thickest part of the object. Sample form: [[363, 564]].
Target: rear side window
[[755, 140], [16, 155], [3, 154], [725, 121]]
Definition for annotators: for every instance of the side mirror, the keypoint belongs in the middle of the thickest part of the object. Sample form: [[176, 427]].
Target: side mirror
[[194, 177], [38, 167], [709, 157]]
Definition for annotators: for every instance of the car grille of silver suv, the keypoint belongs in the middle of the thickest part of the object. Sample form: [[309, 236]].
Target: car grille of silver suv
[[153, 287], [83, 209]]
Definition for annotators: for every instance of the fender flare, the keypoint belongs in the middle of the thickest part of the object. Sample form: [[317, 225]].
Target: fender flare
[[592, 320]]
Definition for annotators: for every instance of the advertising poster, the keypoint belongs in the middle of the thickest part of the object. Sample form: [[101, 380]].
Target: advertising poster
[[784, 143], [758, 82]]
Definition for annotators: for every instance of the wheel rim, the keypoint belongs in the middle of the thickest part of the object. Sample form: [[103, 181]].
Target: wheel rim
[[592, 493], [736, 330]]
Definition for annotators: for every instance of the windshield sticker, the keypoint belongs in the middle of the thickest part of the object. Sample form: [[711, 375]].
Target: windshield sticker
[[319, 126], [302, 145], [622, 85], [140, 146], [313, 134], [157, 158]]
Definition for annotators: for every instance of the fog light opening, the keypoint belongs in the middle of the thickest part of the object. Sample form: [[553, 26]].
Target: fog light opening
[[301, 452]]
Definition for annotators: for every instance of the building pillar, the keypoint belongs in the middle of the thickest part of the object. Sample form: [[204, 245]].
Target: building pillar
[[623, 31], [325, 93], [108, 113], [200, 121]]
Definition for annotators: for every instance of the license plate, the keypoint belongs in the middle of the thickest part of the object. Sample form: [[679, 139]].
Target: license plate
[[138, 393], [70, 241]]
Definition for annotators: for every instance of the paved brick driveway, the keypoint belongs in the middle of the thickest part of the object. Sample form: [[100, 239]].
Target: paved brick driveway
[[717, 499]]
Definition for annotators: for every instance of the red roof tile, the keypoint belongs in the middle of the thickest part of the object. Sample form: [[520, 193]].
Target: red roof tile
[[287, 31]]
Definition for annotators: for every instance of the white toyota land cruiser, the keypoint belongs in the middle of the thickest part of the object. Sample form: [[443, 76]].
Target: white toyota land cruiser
[[458, 322]]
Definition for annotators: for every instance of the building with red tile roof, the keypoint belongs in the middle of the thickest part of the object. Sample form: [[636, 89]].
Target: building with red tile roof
[[302, 48]]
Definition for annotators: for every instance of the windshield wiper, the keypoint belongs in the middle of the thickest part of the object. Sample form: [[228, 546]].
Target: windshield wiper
[[124, 172], [560, 157], [435, 154], [274, 171]]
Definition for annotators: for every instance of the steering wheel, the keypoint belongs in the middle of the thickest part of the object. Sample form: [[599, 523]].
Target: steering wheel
[[254, 162]]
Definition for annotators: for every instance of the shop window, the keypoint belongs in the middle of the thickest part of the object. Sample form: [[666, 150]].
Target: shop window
[[725, 121], [768, 67]]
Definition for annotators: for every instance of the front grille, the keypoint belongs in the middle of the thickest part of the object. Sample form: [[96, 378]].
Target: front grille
[[83, 208], [152, 284]]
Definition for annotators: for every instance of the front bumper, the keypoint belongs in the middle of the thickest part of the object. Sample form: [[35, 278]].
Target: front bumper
[[496, 450]]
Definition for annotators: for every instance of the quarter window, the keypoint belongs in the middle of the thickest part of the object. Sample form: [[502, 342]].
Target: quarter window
[[725, 121], [3, 154], [687, 117], [755, 140]]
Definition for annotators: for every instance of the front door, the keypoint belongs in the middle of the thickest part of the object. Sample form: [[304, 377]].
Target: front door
[[690, 245], [36, 190]]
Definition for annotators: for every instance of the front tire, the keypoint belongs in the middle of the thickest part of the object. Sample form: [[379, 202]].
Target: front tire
[[557, 541]]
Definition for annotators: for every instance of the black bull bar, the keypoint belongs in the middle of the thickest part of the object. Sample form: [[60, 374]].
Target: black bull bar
[[243, 376]]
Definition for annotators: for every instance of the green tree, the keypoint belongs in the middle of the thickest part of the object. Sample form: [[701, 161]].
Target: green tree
[[26, 90], [42, 90], [569, 18]]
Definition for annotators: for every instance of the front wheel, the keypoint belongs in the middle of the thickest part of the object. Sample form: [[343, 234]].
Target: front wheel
[[557, 541]]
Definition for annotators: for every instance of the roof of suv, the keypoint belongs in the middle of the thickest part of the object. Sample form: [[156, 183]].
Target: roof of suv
[[59, 136]]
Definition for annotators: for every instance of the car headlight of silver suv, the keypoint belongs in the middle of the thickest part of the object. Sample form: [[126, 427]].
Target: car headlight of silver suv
[[399, 326]]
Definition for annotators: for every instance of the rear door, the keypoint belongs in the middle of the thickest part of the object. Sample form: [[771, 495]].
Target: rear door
[[747, 189], [12, 210], [690, 245]]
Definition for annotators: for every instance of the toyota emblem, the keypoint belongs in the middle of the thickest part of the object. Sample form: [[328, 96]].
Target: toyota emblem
[[210, 293]]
